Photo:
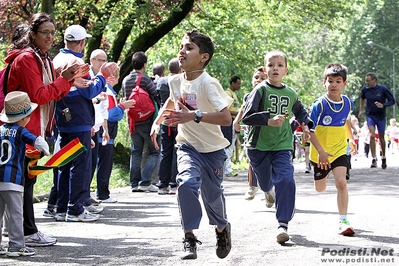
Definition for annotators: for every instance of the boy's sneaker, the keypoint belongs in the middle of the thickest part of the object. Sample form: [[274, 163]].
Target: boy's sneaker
[[150, 188], [135, 189], [94, 209], [282, 235], [16, 252], [3, 250], [231, 174], [163, 191], [173, 190], [109, 200], [250, 194], [270, 198], [384, 163], [85, 216], [223, 242], [373, 163], [49, 212], [190, 247], [39, 239], [345, 229], [60, 216]]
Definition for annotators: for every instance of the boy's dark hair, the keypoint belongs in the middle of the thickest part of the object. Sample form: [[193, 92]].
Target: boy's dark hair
[[372, 75], [234, 79], [139, 59], [204, 43], [158, 69], [174, 66], [335, 70]]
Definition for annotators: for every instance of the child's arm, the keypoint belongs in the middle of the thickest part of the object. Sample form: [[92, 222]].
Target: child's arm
[[42, 145], [158, 120], [252, 116], [184, 115], [301, 114], [348, 127], [236, 122]]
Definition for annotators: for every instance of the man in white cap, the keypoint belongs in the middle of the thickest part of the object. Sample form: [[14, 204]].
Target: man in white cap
[[75, 119], [16, 114]]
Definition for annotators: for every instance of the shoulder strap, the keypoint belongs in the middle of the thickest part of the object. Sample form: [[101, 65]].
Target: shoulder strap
[[138, 80], [5, 81]]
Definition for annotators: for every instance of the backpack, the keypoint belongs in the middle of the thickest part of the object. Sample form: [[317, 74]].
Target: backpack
[[144, 107]]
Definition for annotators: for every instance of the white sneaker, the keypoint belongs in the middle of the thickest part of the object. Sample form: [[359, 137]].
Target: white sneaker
[[109, 200], [39, 239], [270, 198], [3, 250], [282, 235], [250, 194], [60, 216], [173, 191], [94, 209], [150, 188], [85, 216]]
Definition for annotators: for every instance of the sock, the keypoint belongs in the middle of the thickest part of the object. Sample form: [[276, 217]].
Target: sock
[[383, 157], [342, 217]]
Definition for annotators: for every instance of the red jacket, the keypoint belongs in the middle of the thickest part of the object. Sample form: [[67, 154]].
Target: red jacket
[[26, 74]]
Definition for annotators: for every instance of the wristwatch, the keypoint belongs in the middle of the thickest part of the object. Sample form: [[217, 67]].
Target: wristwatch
[[198, 116]]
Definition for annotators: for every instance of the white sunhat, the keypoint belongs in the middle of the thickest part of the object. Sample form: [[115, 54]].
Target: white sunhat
[[76, 33], [17, 105]]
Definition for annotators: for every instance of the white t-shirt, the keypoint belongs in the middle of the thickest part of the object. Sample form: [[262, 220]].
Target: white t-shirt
[[204, 93]]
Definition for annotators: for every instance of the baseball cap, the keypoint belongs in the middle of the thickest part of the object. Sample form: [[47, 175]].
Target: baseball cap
[[76, 33]]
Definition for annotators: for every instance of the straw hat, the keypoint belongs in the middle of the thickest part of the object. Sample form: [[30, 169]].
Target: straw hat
[[17, 105]]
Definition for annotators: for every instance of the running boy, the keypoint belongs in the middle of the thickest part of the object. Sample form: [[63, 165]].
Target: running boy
[[330, 113], [198, 105], [13, 137], [270, 140]]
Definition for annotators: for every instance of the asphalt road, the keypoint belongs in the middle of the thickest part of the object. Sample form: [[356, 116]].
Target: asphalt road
[[144, 228]]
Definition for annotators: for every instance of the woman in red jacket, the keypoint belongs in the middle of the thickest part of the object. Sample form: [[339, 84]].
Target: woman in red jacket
[[32, 72]]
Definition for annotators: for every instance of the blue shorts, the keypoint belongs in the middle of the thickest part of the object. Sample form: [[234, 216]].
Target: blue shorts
[[372, 121]]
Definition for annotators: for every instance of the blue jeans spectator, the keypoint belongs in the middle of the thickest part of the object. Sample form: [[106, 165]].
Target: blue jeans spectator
[[139, 137]]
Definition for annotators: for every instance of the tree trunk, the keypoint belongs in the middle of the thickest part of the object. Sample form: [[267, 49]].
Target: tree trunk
[[147, 39]]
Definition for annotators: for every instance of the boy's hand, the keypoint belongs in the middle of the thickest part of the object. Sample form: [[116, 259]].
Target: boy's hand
[[324, 163], [276, 121], [353, 147], [153, 134], [128, 103], [181, 116], [306, 132]]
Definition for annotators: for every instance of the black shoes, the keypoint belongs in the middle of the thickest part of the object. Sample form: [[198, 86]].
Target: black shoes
[[190, 247], [384, 163], [223, 244]]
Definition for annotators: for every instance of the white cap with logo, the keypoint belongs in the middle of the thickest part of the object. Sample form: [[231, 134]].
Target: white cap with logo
[[76, 33]]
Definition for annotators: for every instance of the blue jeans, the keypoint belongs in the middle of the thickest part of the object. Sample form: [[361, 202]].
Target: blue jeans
[[141, 136], [168, 164]]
